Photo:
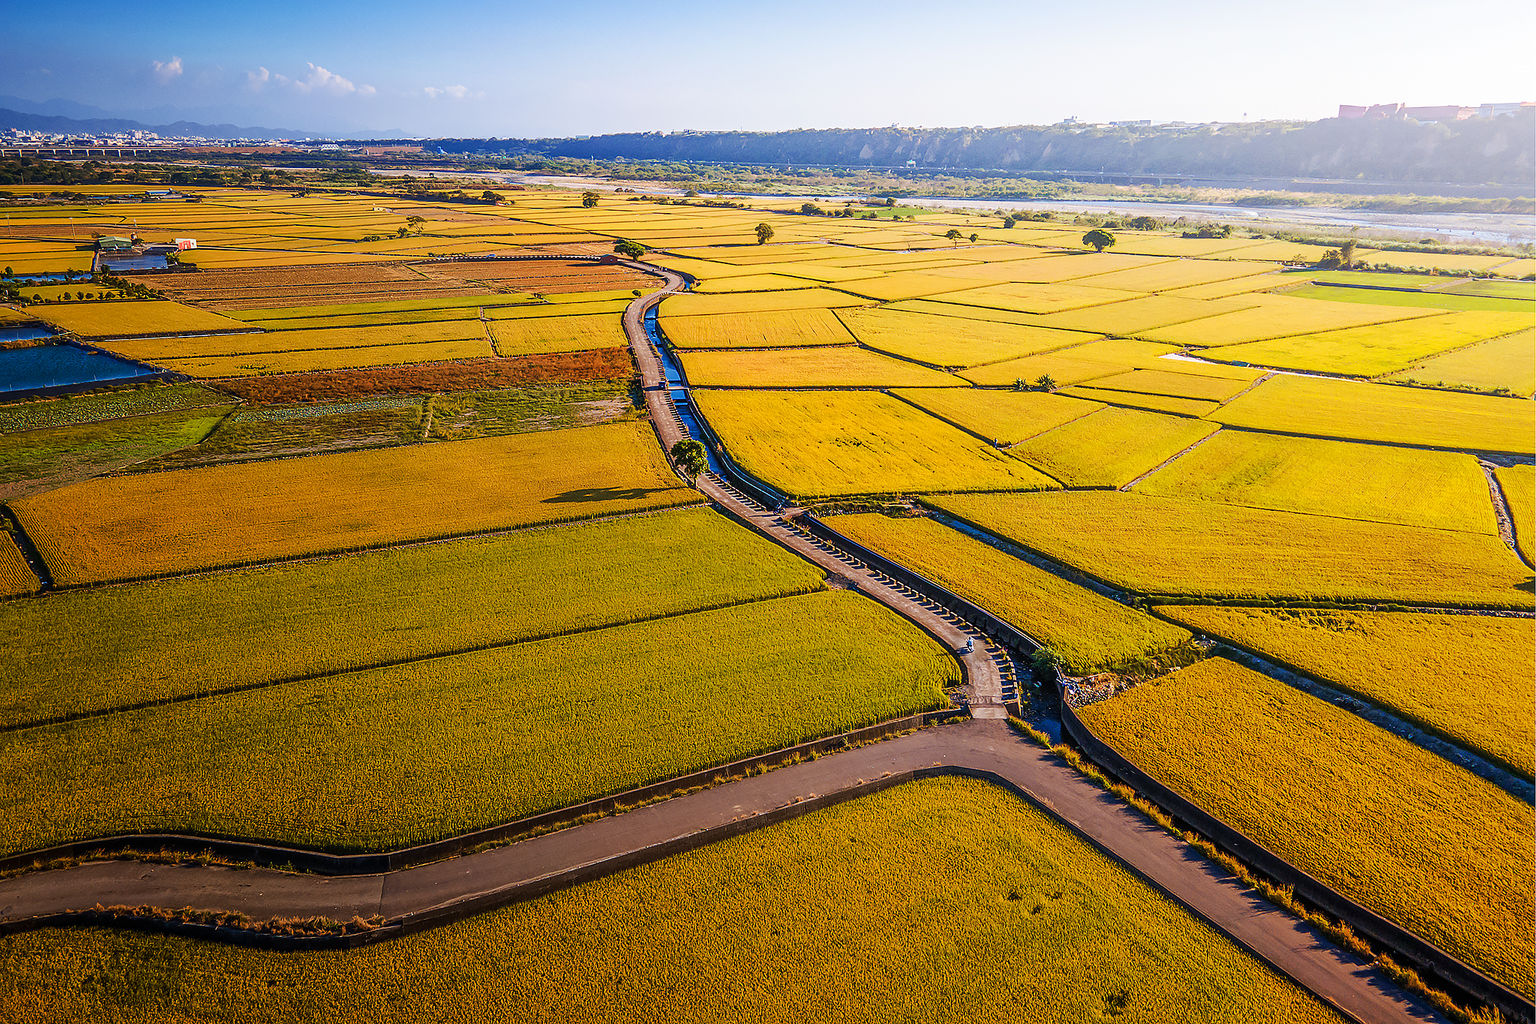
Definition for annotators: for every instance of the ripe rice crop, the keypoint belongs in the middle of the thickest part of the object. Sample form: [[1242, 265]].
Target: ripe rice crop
[[415, 752], [1465, 677], [1417, 839], [694, 304], [1070, 365], [170, 638], [909, 284], [16, 576], [538, 335], [557, 305], [820, 443], [1503, 364], [1180, 380], [120, 319], [1180, 273], [310, 360], [1370, 351], [1410, 486], [1135, 316], [1005, 417], [1193, 407], [774, 925], [35, 460], [774, 329], [949, 340], [751, 283], [1205, 549], [158, 350], [1435, 300], [1111, 447], [1033, 299], [468, 375], [822, 366], [1377, 412], [1050, 269], [1519, 486], [1087, 632], [127, 527], [1277, 316]]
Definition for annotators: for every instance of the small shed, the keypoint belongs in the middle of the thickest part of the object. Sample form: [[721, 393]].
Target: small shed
[[113, 242]]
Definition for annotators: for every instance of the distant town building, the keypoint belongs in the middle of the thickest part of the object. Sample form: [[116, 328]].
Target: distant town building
[[1447, 112]]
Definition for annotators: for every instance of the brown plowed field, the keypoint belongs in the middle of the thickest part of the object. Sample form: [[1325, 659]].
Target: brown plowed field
[[463, 375]]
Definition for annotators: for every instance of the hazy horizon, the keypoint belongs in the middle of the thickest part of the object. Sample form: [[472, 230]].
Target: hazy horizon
[[594, 66]]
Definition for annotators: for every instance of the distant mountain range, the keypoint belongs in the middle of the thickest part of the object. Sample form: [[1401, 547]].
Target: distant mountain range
[[65, 117]]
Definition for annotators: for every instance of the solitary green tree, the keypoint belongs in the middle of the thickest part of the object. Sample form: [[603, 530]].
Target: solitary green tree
[[415, 223], [974, 237], [490, 197], [691, 457], [589, 199], [629, 248], [1099, 239], [764, 232], [954, 235], [1347, 254], [1045, 382]]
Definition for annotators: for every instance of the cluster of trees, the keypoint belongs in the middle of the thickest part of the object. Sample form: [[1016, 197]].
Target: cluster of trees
[[106, 286], [1472, 151]]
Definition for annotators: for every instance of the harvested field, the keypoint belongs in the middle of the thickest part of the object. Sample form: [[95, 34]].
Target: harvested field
[[1111, 447], [269, 432], [170, 638], [1205, 549], [1087, 632], [1005, 417], [1358, 411], [1409, 486], [773, 329], [538, 276], [158, 350], [822, 366], [468, 375], [949, 341], [518, 410], [817, 443], [310, 360], [1417, 839], [411, 753], [135, 400], [16, 576], [157, 523], [776, 925], [1465, 677], [337, 284]]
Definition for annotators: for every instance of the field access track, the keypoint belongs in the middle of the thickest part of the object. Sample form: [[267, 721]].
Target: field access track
[[419, 897]]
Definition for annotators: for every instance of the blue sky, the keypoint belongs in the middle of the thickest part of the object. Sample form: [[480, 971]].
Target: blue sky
[[591, 66]]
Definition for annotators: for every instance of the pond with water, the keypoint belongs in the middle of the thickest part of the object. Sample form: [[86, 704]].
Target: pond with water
[[51, 366]]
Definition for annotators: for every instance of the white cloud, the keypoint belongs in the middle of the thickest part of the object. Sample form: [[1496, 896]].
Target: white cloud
[[322, 79], [166, 70], [259, 78], [454, 92]]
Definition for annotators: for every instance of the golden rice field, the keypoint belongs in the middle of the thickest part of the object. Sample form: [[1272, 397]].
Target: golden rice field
[[1466, 677], [1070, 365], [1429, 845], [183, 520], [1374, 350], [164, 639], [774, 329], [1503, 364], [822, 443], [1189, 548], [1111, 447], [1356, 411], [1005, 417], [1191, 407], [694, 304], [531, 335], [1035, 299], [950, 340], [1408, 486], [318, 360], [1278, 316], [793, 922], [121, 319], [821, 366], [16, 576], [410, 753], [1086, 631], [1179, 380], [1519, 486], [1143, 314], [1177, 273], [157, 350]]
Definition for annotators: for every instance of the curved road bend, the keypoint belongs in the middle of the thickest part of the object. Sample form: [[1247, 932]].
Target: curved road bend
[[982, 678], [446, 890]]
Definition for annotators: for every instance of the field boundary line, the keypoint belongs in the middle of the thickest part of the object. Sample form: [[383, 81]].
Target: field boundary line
[[1501, 511], [310, 677], [1171, 459]]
